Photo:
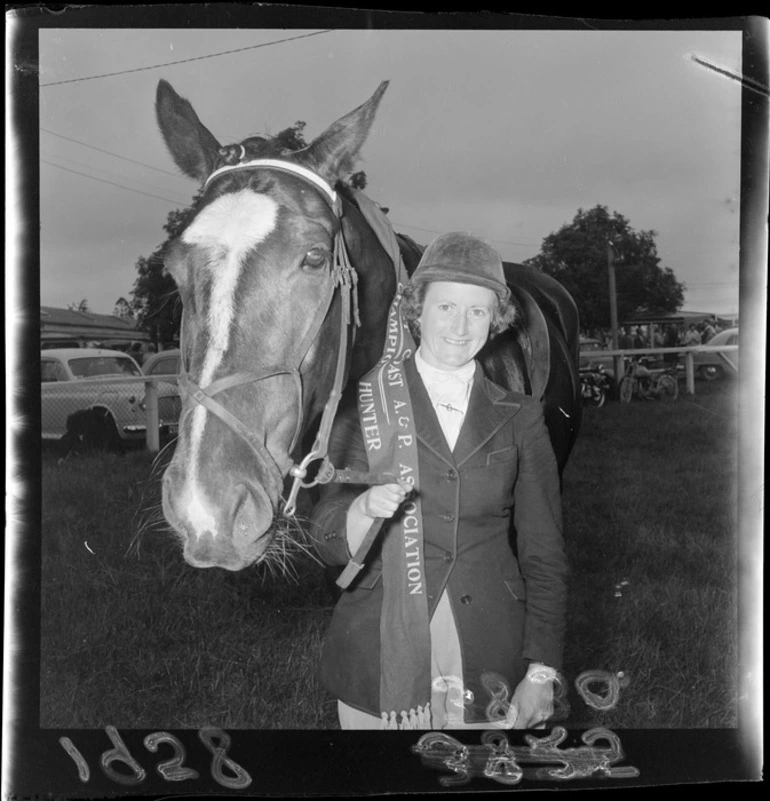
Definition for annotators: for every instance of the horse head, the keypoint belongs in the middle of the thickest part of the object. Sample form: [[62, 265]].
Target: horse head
[[258, 274]]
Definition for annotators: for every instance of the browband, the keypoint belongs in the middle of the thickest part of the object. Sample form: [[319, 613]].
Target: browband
[[279, 164]]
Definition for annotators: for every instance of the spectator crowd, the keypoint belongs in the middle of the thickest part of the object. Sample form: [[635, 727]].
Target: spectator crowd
[[671, 335]]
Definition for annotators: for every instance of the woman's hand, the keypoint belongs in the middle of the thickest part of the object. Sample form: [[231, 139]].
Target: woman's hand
[[532, 703], [382, 500]]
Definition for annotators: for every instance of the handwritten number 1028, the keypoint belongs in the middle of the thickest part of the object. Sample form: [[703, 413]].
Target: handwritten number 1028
[[216, 741]]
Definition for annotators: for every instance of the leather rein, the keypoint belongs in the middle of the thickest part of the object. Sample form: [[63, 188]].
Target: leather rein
[[342, 277]]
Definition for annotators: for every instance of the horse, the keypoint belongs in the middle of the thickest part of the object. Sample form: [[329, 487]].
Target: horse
[[266, 269]]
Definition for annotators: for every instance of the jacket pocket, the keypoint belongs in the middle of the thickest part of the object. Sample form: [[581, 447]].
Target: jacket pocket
[[517, 587], [503, 455]]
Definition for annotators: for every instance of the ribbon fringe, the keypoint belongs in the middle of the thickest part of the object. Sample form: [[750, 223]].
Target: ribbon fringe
[[414, 719]]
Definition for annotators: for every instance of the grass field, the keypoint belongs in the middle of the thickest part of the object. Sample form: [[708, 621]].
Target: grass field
[[133, 637]]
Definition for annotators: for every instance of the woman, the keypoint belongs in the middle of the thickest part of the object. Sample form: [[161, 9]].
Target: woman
[[444, 627]]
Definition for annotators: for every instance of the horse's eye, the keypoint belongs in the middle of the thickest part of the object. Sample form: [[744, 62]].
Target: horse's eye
[[315, 258]]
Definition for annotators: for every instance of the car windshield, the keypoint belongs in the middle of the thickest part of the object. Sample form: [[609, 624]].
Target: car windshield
[[94, 366]]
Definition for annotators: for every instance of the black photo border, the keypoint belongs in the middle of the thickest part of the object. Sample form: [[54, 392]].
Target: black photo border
[[331, 762]]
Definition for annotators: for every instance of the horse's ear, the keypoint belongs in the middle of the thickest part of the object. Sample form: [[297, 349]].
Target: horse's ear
[[192, 146], [334, 153]]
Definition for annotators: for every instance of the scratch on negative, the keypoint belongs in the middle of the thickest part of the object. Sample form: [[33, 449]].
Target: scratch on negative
[[749, 83]]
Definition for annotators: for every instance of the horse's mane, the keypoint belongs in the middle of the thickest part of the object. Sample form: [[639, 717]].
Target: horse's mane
[[411, 252], [252, 147]]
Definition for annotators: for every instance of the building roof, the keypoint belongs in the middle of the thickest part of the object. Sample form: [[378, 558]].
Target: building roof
[[58, 323]]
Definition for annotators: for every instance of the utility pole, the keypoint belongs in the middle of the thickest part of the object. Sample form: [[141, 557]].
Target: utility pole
[[613, 294], [617, 360]]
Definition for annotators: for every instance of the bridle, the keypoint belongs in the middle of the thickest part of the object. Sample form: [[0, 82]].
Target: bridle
[[343, 277]]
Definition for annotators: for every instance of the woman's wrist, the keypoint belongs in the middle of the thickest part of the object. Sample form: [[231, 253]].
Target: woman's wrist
[[358, 523]]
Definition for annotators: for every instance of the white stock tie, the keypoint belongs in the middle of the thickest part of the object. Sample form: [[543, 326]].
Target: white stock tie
[[449, 393]]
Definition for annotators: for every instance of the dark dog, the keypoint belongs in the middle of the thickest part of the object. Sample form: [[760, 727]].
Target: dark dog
[[89, 430]]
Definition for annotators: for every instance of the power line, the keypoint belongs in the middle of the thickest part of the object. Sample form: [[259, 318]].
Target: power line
[[93, 168], [110, 153], [112, 183], [188, 60]]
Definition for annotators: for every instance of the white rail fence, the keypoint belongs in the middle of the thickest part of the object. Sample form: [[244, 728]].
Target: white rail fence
[[151, 382], [723, 351]]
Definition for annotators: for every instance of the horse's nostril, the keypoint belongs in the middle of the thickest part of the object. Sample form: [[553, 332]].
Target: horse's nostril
[[253, 516]]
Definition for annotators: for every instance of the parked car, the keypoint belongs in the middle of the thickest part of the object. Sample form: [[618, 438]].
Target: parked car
[[717, 365], [82, 402], [164, 363]]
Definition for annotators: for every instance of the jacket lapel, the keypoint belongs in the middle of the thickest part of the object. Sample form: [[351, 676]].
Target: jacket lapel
[[489, 409]]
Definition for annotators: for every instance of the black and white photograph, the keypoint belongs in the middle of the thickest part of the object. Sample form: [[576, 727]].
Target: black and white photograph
[[400, 419]]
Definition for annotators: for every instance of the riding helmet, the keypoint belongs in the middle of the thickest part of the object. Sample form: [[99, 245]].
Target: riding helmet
[[462, 258]]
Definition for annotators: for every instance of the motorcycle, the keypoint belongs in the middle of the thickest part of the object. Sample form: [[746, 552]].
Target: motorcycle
[[595, 385]]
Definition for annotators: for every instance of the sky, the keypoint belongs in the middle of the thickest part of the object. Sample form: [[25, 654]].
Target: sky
[[502, 133]]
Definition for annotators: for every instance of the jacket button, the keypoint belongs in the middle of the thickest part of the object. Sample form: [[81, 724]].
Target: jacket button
[[465, 599], [448, 557], [448, 516], [451, 475]]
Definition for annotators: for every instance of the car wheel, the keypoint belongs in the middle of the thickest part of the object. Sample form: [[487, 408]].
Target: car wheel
[[711, 372]]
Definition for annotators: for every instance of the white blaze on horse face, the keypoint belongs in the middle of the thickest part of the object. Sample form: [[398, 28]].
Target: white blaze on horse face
[[227, 230]]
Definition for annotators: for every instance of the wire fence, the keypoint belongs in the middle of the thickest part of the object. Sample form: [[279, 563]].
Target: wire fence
[[110, 412]]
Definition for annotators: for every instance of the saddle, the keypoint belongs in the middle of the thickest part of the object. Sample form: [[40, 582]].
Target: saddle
[[534, 341]]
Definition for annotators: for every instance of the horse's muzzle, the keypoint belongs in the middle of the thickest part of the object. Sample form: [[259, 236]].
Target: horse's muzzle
[[228, 527]]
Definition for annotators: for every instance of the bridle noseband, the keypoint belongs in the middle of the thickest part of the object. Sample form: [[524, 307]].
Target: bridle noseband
[[343, 277]]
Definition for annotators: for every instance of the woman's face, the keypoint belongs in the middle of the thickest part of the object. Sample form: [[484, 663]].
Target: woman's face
[[454, 324]]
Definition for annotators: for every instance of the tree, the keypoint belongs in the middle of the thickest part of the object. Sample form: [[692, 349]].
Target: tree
[[576, 255], [79, 306], [123, 309], [156, 302], [156, 297]]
